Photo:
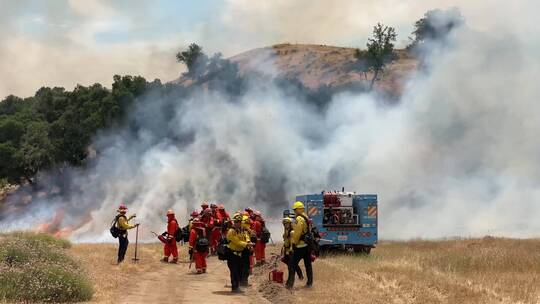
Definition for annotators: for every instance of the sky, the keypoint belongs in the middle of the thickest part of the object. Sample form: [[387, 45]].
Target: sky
[[70, 42]]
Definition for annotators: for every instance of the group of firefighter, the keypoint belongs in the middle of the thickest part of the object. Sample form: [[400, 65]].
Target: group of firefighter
[[240, 240]]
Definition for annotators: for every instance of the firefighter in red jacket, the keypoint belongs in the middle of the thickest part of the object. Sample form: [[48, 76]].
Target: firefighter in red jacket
[[216, 229], [204, 206], [208, 220], [226, 223], [197, 250], [170, 242], [260, 246], [247, 224], [249, 213]]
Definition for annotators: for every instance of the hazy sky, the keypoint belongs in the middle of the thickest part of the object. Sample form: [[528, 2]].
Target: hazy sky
[[66, 42]]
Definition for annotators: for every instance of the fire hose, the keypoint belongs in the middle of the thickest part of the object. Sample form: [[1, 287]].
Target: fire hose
[[161, 237]]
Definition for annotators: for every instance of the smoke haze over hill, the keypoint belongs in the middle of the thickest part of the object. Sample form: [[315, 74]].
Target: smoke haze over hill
[[457, 156]]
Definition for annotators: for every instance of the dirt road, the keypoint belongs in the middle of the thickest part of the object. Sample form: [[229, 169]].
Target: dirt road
[[177, 284], [150, 281]]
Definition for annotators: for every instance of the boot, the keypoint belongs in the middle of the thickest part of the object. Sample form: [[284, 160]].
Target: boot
[[165, 260], [174, 261]]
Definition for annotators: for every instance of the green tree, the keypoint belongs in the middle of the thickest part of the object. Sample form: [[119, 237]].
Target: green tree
[[37, 150], [11, 168], [11, 131], [193, 58], [435, 26], [379, 53]]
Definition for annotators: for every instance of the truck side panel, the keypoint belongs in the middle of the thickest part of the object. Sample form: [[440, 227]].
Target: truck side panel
[[364, 234]]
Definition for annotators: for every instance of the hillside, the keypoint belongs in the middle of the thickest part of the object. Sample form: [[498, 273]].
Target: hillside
[[318, 65]]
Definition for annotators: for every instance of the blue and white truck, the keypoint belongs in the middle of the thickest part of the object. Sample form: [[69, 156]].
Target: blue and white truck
[[344, 220]]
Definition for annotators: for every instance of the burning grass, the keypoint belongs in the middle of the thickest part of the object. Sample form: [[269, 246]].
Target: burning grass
[[36, 268]]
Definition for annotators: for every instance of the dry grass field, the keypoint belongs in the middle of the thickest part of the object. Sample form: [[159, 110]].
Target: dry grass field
[[487, 270]]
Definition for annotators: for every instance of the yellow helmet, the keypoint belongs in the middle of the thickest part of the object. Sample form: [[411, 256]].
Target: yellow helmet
[[245, 219], [237, 217], [287, 220], [298, 205]]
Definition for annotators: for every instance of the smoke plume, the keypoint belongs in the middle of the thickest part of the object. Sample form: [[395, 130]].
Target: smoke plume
[[458, 155]]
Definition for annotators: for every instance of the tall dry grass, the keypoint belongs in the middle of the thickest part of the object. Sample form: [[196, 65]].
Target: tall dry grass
[[488, 270]]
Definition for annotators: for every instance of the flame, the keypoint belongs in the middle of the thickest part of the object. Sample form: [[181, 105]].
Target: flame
[[56, 228]]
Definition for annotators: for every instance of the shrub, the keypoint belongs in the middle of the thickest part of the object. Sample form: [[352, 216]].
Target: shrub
[[35, 267]]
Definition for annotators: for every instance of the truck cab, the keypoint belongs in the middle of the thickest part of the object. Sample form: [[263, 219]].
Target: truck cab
[[344, 219]]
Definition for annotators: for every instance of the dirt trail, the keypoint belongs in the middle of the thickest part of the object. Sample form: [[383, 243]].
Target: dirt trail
[[168, 283]]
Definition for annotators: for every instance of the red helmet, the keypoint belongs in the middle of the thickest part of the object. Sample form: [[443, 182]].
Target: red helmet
[[195, 213], [221, 207], [170, 212], [122, 207], [204, 205]]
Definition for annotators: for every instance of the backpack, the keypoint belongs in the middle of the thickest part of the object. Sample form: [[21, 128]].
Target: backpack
[[185, 234], [309, 237], [222, 249], [178, 234], [265, 235], [202, 244], [115, 231]]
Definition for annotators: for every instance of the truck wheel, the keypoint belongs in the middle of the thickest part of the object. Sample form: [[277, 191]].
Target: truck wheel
[[324, 250], [362, 250]]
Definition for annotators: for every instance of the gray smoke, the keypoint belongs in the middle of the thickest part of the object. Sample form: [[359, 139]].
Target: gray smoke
[[458, 155]]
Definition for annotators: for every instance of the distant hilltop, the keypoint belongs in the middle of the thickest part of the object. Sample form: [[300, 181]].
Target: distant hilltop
[[318, 65]]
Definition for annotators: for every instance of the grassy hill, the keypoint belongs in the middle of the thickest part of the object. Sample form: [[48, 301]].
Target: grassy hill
[[316, 65]]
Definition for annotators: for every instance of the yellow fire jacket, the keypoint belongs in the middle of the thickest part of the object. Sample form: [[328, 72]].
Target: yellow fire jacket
[[299, 228], [287, 248], [123, 223], [238, 239]]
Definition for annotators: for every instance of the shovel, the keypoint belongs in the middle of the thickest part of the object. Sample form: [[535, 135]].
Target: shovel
[[135, 259]]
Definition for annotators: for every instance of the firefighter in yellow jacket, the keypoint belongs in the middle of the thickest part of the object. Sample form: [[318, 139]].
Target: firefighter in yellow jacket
[[300, 250], [239, 242], [122, 223], [287, 251]]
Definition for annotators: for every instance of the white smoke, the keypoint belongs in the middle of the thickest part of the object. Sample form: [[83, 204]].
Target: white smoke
[[458, 155]]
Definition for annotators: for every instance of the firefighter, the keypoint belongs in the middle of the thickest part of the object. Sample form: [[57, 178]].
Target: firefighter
[[260, 246], [208, 221], [216, 229], [249, 212], [225, 220], [223, 212], [286, 251], [239, 242], [194, 215], [169, 247], [204, 206], [122, 223], [300, 250], [247, 255], [198, 245]]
